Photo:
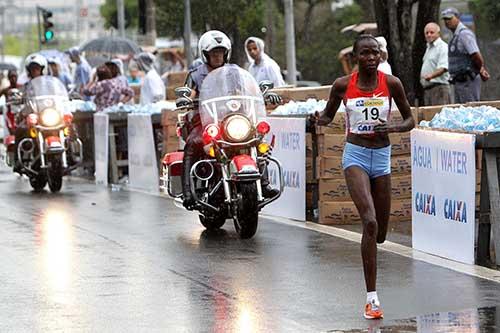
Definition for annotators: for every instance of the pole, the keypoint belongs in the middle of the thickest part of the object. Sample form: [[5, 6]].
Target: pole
[[290, 43], [151, 22], [270, 27], [187, 32], [121, 17], [2, 31], [38, 26]]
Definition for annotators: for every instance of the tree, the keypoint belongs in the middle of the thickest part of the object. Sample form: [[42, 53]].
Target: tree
[[110, 14], [405, 37], [239, 19], [486, 14]]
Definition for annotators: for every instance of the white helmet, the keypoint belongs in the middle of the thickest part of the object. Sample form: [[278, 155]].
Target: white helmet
[[213, 39], [35, 58]]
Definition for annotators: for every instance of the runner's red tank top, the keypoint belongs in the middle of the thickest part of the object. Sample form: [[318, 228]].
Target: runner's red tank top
[[365, 109]]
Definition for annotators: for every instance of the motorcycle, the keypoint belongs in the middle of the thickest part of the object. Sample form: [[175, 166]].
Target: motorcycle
[[226, 183], [51, 148]]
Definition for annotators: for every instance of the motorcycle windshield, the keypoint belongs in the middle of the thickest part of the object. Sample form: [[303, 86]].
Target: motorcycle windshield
[[46, 92], [230, 89]]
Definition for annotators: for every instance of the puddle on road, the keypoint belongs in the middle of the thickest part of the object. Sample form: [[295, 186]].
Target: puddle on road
[[466, 321]]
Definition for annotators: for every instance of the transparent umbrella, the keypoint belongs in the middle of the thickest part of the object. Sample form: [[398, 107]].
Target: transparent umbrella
[[111, 45]]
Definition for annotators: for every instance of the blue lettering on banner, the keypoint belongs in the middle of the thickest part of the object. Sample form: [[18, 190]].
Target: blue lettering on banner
[[360, 102], [454, 161], [422, 157], [291, 178], [290, 140], [425, 203], [455, 210]]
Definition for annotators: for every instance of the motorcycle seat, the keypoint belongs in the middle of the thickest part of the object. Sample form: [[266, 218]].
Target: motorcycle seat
[[175, 157]]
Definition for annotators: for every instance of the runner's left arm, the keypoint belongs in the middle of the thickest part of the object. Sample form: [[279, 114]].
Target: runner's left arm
[[398, 94]]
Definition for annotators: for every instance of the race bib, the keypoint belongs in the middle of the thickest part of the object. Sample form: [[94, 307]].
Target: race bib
[[366, 112]]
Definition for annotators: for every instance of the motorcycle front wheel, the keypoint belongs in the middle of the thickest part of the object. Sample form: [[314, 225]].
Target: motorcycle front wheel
[[213, 222], [55, 174], [247, 217]]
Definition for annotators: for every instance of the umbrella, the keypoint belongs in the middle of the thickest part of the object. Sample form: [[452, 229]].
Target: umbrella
[[7, 66], [111, 45]]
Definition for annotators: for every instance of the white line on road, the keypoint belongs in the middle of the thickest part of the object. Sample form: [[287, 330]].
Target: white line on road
[[405, 251]]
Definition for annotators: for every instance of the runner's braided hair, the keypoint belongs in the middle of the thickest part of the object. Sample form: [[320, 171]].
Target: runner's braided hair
[[361, 38]]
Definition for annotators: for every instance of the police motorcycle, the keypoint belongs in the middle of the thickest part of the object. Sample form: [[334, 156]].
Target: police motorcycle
[[226, 184], [51, 148]]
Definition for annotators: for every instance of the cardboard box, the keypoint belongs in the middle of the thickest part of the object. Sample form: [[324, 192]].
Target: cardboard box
[[401, 143], [137, 92], [169, 117], [345, 212], [331, 166], [478, 181], [170, 146], [176, 79], [309, 170], [309, 145], [479, 159], [170, 133], [336, 189], [303, 93]]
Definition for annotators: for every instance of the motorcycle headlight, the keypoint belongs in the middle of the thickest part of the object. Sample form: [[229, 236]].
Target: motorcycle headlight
[[50, 117], [237, 128]]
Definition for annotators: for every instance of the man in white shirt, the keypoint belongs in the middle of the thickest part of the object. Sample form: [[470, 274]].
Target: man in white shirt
[[434, 75], [153, 89], [262, 67]]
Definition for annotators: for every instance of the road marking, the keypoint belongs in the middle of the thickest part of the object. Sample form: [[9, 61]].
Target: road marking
[[405, 251]]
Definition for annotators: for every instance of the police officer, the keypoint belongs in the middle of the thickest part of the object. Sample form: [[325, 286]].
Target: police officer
[[214, 48], [466, 65]]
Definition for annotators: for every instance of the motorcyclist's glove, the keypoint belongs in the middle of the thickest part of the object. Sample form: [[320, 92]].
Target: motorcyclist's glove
[[273, 98]]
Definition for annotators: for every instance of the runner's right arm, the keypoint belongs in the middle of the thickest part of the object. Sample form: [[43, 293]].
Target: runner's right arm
[[336, 96]]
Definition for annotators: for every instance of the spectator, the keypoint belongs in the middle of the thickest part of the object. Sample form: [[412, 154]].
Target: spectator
[[153, 88], [108, 91], [82, 71], [384, 65], [134, 77], [9, 116], [262, 67], [464, 59], [434, 75], [55, 70], [116, 68]]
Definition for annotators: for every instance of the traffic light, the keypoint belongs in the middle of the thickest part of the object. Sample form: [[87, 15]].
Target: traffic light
[[48, 33]]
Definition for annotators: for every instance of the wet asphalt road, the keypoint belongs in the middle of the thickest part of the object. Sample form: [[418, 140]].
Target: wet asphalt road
[[94, 260]]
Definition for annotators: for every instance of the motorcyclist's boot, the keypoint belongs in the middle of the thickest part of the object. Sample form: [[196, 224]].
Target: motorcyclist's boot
[[267, 190]]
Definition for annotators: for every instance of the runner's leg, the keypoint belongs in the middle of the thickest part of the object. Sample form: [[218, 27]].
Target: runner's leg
[[359, 187], [381, 193]]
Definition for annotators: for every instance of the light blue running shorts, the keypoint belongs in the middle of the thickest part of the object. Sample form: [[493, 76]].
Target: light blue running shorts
[[375, 161]]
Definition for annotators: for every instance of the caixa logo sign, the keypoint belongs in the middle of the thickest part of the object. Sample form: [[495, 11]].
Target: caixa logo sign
[[455, 210], [425, 203]]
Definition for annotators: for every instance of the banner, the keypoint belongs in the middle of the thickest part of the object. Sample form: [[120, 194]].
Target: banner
[[443, 191], [142, 161], [101, 144], [289, 149]]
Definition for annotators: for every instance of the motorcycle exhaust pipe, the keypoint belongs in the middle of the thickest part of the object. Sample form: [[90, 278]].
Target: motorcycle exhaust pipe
[[203, 170]]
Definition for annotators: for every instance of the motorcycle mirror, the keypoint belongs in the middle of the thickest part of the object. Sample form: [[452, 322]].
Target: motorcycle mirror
[[265, 86], [183, 92]]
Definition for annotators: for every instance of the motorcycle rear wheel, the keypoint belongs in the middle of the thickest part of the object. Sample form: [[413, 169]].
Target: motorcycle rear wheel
[[247, 217], [55, 175]]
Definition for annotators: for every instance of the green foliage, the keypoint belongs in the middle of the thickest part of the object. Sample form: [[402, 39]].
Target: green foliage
[[22, 46], [110, 14], [486, 15], [318, 60]]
